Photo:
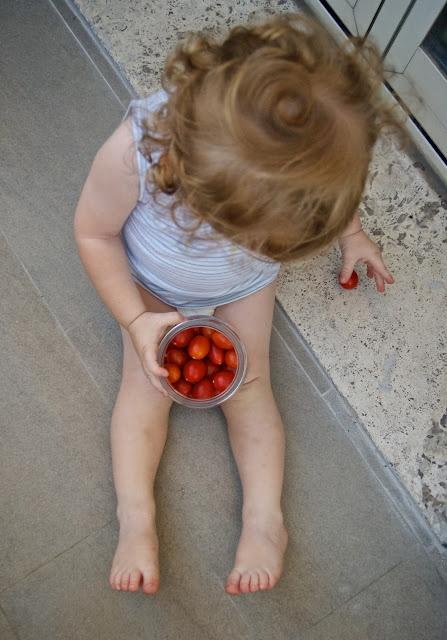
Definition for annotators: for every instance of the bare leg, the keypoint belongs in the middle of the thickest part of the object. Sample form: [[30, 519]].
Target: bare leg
[[257, 439], [139, 430]]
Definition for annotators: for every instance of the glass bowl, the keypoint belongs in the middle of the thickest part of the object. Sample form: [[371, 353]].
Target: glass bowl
[[240, 372]]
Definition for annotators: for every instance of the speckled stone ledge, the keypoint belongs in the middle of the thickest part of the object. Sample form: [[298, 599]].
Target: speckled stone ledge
[[385, 353]]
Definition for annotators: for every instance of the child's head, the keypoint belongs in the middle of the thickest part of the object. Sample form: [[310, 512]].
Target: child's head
[[268, 135]]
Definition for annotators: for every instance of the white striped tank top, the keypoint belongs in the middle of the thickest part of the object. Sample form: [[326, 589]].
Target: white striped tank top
[[184, 271]]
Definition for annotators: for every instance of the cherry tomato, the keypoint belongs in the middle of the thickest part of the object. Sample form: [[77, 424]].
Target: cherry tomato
[[183, 387], [222, 380], [182, 339], [194, 370], [351, 283], [212, 369], [216, 355], [231, 358], [196, 330], [207, 331], [203, 390], [221, 341], [177, 356], [174, 372], [198, 347]]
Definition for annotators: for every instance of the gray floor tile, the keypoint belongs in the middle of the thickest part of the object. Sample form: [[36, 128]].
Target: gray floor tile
[[330, 495], [98, 342], [405, 604], [300, 349], [6, 633], [54, 97], [341, 537], [70, 599], [55, 470]]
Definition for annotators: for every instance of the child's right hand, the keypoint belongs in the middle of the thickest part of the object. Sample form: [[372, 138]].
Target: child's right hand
[[146, 331]]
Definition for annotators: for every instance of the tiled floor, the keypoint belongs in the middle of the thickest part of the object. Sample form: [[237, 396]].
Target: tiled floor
[[354, 570]]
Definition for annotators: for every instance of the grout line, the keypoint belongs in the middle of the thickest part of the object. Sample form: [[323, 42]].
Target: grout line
[[295, 358], [50, 560], [291, 325], [55, 319], [354, 596], [12, 627], [95, 40]]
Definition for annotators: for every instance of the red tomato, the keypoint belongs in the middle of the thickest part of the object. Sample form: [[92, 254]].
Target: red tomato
[[231, 358], [194, 370], [221, 341], [176, 356], [183, 387], [207, 331], [174, 372], [351, 283], [216, 355], [212, 369], [182, 339], [198, 347], [196, 330], [222, 380], [203, 390]]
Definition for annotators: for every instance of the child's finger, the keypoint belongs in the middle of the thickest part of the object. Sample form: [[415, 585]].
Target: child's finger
[[346, 271], [157, 384], [155, 369], [379, 267], [380, 284]]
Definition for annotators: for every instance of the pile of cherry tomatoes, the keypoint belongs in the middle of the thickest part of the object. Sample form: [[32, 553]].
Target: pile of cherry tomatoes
[[201, 362]]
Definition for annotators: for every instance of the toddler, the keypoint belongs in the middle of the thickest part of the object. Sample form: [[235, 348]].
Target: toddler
[[254, 153]]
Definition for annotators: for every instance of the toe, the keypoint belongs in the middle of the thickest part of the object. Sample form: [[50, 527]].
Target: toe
[[125, 581], [233, 580], [263, 579], [116, 583], [245, 582], [254, 582], [150, 582], [134, 579], [273, 578]]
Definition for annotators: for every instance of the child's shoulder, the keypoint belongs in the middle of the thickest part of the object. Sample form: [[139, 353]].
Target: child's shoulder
[[140, 108]]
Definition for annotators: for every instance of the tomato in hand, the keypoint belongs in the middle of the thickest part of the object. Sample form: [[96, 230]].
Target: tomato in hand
[[221, 341], [183, 387], [351, 283], [198, 347], [177, 356], [216, 355], [222, 380], [231, 358], [207, 331], [183, 338], [174, 372], [203, 390], [194, 370]]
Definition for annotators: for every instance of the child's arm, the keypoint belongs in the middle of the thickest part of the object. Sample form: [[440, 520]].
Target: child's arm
[[108, 197], [356, 247]]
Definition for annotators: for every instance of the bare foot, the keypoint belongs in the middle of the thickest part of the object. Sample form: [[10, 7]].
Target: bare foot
[[259, 556], [136, 557]]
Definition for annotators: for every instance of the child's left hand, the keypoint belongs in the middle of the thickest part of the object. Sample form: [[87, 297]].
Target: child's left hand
[[359, 248]]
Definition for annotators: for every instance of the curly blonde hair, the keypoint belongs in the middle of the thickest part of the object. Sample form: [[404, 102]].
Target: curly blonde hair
[[267, 136]]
